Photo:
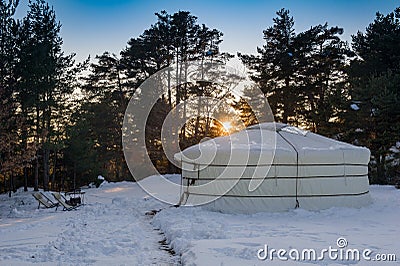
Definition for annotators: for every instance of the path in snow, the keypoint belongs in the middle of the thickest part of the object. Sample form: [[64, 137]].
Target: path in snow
[[112, 229]]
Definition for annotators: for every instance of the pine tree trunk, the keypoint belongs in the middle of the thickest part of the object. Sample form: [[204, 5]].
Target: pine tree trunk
[[11, 186], [177, 81], [61, 188], [53, 178], [46, 154], [36, 185], [286, 108], [4, 186], [25, 179], [197, 125], [169, 88], [74, 176], [25, 146], [380, 169], [199, 104], [184, 103]]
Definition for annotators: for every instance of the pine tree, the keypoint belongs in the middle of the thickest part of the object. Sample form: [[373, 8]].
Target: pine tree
[[14, 155], [322, 77], [374, 91], [274, 68], [107, 92], [177, 39], [44, 79], [81, 153], [302, 75], [251, 106]]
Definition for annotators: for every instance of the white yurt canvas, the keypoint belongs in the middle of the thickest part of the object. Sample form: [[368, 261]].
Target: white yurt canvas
[[274, 167]]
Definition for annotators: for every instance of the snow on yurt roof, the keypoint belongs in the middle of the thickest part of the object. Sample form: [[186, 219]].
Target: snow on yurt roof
[[279, 142]]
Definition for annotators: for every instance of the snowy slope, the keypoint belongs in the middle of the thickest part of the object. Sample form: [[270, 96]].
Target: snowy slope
[[112, 229]]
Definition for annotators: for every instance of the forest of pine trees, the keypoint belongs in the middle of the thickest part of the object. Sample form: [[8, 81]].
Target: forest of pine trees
[[60, 120]]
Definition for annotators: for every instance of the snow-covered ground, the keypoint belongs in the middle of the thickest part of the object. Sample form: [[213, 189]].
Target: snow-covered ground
[[112, 229], [210, 238]]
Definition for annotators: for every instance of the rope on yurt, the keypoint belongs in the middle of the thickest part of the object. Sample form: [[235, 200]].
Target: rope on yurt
[[181, 192], [297, 167], [344, 169]]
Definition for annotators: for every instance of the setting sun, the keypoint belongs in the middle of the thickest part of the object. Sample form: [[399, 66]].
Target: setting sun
[[227, 126]]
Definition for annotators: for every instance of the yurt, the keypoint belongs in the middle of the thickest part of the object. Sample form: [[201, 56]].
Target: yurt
[[274, 167]]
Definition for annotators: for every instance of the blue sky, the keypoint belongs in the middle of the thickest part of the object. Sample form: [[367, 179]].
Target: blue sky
[[94, 26]]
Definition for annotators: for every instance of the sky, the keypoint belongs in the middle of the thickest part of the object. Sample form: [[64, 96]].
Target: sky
[[91, 27]]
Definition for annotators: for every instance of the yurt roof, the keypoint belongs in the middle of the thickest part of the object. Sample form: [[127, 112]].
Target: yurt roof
[[287, 144]]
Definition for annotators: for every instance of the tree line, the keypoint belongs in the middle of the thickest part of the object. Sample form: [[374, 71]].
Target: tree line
[[60, 121]]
